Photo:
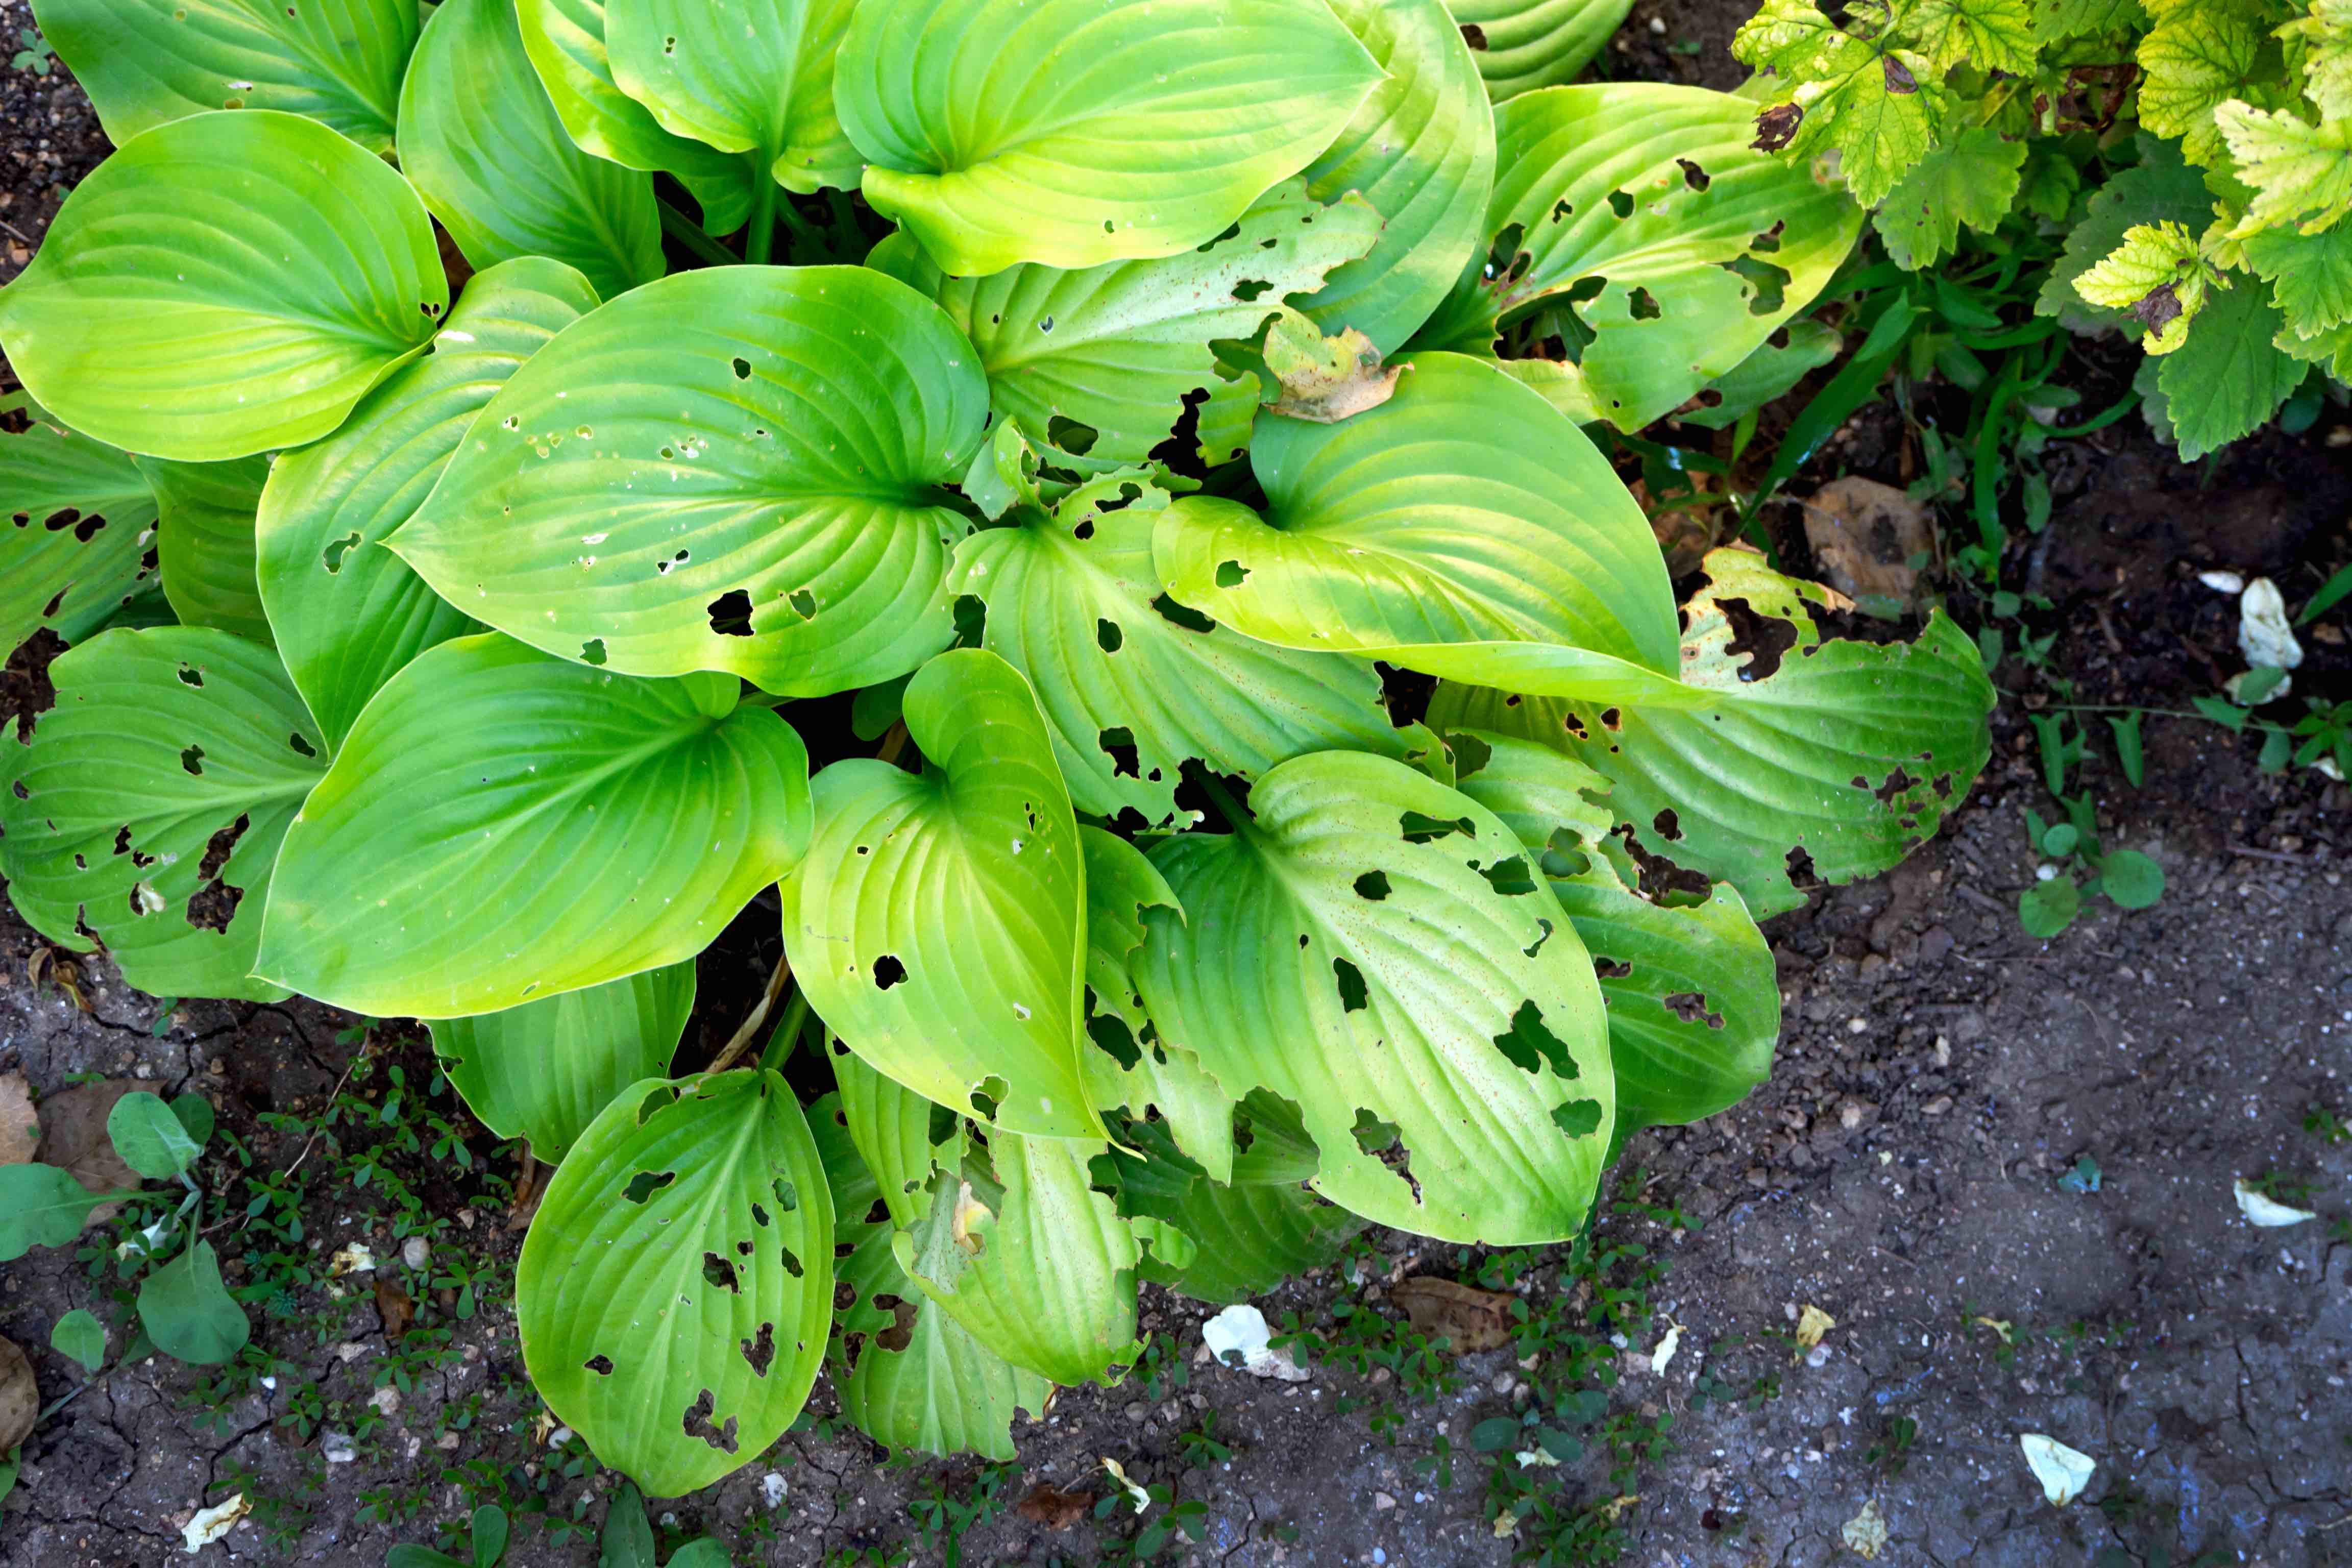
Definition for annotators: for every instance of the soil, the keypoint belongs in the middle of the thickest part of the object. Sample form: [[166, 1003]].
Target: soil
[[1940, 1073]]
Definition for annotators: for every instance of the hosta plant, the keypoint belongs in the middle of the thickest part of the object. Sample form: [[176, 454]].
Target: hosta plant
[[1137, 406]]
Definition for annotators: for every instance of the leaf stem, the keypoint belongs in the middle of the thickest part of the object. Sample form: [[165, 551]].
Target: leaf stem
[[787, 1036], [689, 234], [759, 238], [1236, 817], [777, 979]]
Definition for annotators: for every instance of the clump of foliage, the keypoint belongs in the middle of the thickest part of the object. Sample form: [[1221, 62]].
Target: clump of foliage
[[1156, 388], [2197, 154]]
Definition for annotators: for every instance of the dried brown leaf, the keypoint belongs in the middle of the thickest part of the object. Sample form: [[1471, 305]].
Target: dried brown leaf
[[1469, 1320], [1052, 1508], [20, 1125], [394, 1306], [20, 1397], [74, 1139]]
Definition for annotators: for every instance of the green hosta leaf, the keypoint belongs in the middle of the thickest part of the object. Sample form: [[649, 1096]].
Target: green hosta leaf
[[940, 915], [144, 62], [148, 1137], [1708, 245], [1462, 513], [153, 799], [1078, 131], [80, 1337], [544, 1070], [1971, 180], [348, 613], [2230, 377], [565, 41], [501, 825], [1117, 348], [2160, 188], [732, 469], [485, 151], [1232, 1241], [189, 1313], [1768, 372], [1422, 150], [676, 1286], [1409, 979], [2310, 275], [1839, 756], [41, 1206], [916, 1377], [205, 542], [77, 518], [2301, 172], [741, 75], [2199, 55], [224, 284], [1133, 686], [1874, 102], [1694, 998], [1521, 45]]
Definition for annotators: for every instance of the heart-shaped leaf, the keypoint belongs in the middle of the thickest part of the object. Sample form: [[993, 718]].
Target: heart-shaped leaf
[[1422, 150], [545, 1069], [1074, 132], [501, 825], [221, 285], [484, 148], [78, 518], [941, 916], [1381, 951], [346, 612], [205, 542], [144, 62], [739, 469], [1132, 686], [1117, 348], [1826, 758], [741, 75], [189, 1313], [1521, 45], [676, 1286], [149, 805], [81, 1337], [148, 1137], [40, 1206], [1462, 513]]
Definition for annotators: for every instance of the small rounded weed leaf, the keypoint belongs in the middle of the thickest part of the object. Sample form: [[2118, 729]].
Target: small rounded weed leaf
[[2049, 907], [2130, 878], [80, 1338]]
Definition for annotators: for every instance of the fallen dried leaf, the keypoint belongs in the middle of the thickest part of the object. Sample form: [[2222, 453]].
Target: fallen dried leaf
[[74, 1139], [1614, 1509], [1866, 536], [20, 1396], [211, 1523], [20, 1125], [1663, 1355], [1865, 1532], [1469, 1320], [1324, 379], [356, 1258], [1134, 1494], [394, 1306], [1048, 1505]]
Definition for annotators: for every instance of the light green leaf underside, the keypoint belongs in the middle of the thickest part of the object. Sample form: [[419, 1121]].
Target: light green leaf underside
[[501, 827], [1694, 998], [707, 1295], [916, 1378], [348, 612], [160, 743], [1131, 693], [1117, 347], [545, 1069], [205, 541], [1536, 43], [1793, 761], [779, 434], [1073, 132], [1672, 315], [940, 915], [144, 62], [221, 285], [1367, 978], [56, 486], [1422, 150], [565, 42], [1463, 511], [485, 149], [2229, 378], [742, 75]]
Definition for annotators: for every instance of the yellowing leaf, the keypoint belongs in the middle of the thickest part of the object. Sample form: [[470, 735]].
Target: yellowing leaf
[[1876, 104], [2263, 1210], [2199, 54], [2301, 172], [1998, 1325], [2325, 36], [2156, 275], [1323, 379], [1991, 34], [1811, 1324], [1972, 181]]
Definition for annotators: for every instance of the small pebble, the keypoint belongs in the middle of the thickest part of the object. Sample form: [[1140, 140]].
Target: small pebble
[[1381, 1501], [1137, 1411]]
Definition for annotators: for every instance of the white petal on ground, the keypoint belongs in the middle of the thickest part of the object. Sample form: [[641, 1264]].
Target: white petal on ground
[[2264, 635], [2222, 581], [2268, 1211], [1242, 1331], [2063, 1471], [1865, 1532], [1664, 1353], [211, 1523]]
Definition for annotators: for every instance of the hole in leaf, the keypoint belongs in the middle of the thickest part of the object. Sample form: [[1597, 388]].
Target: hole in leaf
[[1693, 175], [697, 1424], [1667, 825], [1473, 35], [1108, 636], [988, 1097], [1537, 947], [1230, 573], [645, 1183], [1621, 203], [1192, 620], [803, 603], [599, 1363], [1354, 996], [742, 368], [1767, 637], [1420, 829], [593, 651], [193, 759], [970, 620], [1471, 754], [1248, 289], [661, 568], [1070, 435], [792, 1263], [901, 1331], [332, 557], [190, 676], [887, 972], [1642, 305], [720, 1274], [730, 614], [1530, 1043], [1692, 1008], [1578, 1118], [1511, 877], [1372, 885], [1374, 1136], [1118, 744], [761, 1352]]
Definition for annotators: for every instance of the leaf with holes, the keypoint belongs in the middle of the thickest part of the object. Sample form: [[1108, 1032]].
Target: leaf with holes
[[1118, 349], [148, 808], [501, 825], [1642, 211], [738, 469], [1694, 998], [741, 75], [1461, 522], [485, 151], [77, 521], [1826, 758], [545, 1069], [1073, 132], [221, 285], [347, 613], [1412, 988], [676, 1286], [941, 916], [1133, 686], [1522, 44], [146, 62], [205, 542]]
